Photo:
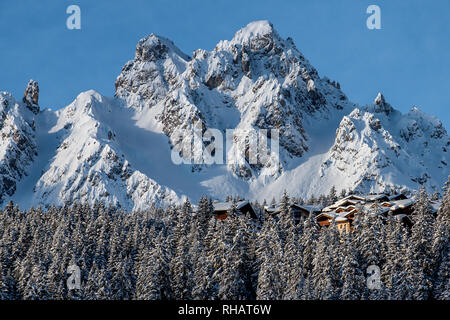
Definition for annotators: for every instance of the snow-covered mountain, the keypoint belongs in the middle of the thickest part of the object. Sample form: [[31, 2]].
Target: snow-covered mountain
[[118, 150]]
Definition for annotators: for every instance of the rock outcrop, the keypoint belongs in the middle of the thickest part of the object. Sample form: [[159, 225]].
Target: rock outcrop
[[31, 96]]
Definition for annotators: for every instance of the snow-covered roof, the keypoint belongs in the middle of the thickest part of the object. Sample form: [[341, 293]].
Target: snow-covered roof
[[387, 203], [347, 213], [354, 197], [345, 208], [309, 208], [342, 216], [331, 214], [376, 197], [396, 196], [225, 206], [402, 204]]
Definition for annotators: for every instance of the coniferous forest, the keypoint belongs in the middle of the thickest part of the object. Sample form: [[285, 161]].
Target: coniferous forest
[[174, 254]]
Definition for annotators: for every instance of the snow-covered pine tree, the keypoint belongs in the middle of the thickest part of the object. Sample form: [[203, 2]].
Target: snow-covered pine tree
[[308, 241], [180, 268], [205, 286], [292, 274], [440, 249], [369, 246], [336, 254], [204, 214], [285, 218], [419, 259], [442, 280], [322, 269], [235, 278], [312, 200], [393, 273], [332, 196], [353, 281], [322, 201], [159, 284], [269, 251], [241, 259], [143, 281], [273, 203], [400, 289]]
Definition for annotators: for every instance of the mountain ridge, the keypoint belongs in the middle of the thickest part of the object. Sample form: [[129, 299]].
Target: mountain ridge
[[117, 149]]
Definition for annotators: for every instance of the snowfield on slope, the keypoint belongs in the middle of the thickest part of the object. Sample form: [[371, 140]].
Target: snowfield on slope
[[118, 149]]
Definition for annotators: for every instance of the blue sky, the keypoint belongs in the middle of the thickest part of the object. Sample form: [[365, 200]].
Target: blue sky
[[408, 60]]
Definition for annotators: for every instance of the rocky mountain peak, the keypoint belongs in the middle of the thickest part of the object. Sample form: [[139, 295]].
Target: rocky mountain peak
[[381, 106], [154, 47], [255, 31], [146, 80], [31, 96], [379, 99]]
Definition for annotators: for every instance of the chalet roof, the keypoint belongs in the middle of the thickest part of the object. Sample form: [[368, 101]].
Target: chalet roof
[[402, 204], [345, 208], [330, 214], [271, 209], [377, 207], [354, 197], [347, 213], [339, 216], [349, 200], [376, 197], [387, 203], [399, 196], [309, 208], [225, 206]]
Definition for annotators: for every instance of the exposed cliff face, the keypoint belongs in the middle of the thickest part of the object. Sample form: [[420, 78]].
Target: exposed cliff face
[[17, 143], [118, 150], [146, 80], [375, 148], [89, 164], [257, 80]]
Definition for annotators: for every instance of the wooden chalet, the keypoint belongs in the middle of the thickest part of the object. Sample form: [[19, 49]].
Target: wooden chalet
[[349, 201], [222, 209], [343, 219], [343, 211]]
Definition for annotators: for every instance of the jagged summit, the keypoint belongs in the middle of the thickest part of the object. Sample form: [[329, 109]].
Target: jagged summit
[[379, 99], [31, 96], [154, 47], [255, 30], [381, 106], [145, 81]]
